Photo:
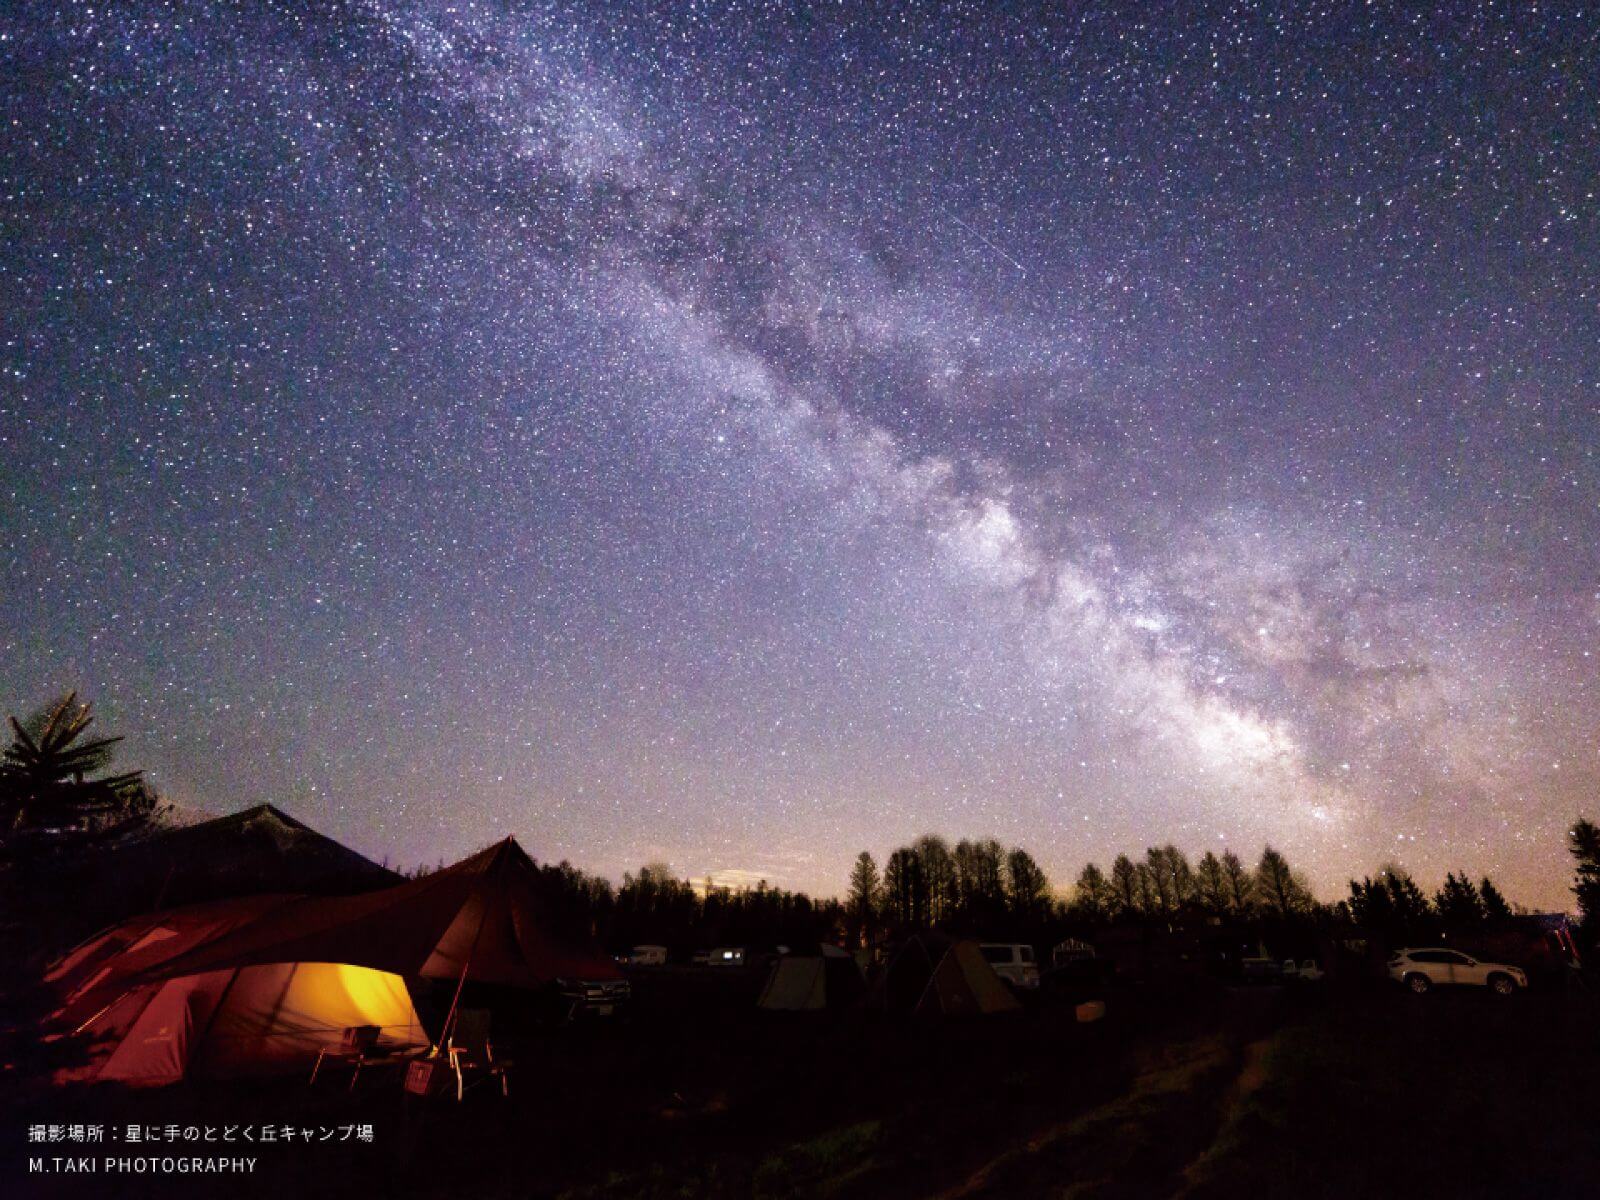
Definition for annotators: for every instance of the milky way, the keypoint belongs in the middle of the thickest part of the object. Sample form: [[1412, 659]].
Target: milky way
[[744, 436]]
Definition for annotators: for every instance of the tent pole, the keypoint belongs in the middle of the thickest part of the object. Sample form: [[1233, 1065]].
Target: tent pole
[[162, 894], [455, 1000], [104, 1009]]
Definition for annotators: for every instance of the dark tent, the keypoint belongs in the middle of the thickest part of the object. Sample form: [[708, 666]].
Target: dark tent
[[829, 979], [932, 977], [262, 849], [904, 977], [964, 984], [150, 867]]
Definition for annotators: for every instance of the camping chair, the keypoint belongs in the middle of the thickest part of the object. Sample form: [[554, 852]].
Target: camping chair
[[358, 1046], [471, 1050]]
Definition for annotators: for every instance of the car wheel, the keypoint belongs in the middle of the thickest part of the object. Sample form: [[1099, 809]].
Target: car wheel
[[1502, 985], [1419, 984]]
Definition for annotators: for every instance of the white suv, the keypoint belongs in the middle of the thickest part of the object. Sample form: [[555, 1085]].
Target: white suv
[[1420, 970], [1013, 962]]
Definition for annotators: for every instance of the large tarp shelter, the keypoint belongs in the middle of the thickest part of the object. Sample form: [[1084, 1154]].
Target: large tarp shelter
[[483, 919], [261, 984]]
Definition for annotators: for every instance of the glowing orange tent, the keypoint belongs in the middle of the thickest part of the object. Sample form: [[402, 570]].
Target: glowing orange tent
[[261, 984]]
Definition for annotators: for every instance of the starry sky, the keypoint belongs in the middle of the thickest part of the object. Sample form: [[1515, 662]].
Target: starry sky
[[741, 435]]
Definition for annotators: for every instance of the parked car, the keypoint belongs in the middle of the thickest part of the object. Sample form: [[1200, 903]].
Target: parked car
[[647, 956], [1261, 970], [1307, 970], [583, 998], [1421, 970], [726, 956], [1013, 962]]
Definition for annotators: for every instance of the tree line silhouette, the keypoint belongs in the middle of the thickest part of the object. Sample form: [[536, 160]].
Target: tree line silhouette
[[980, 888], [56, 782], [655, 907]]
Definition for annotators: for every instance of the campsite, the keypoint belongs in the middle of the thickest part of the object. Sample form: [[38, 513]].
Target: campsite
[[609, 599], [481, 1046]]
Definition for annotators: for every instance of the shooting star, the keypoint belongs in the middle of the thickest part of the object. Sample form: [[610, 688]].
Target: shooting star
[[986, 242]]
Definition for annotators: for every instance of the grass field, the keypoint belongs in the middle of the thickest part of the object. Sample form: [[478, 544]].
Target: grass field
[[1194, 1090]]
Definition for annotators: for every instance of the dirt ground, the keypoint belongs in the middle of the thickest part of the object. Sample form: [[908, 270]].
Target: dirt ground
[[1193, 1090]]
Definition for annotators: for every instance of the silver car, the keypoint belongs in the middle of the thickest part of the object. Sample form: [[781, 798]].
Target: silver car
[[1013, 962], [1422, 970]]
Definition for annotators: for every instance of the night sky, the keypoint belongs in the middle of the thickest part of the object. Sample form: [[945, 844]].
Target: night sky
[[742, 436]]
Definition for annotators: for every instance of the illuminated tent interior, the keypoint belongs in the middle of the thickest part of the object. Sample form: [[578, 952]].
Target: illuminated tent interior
[[261, 984], [260, 1020]]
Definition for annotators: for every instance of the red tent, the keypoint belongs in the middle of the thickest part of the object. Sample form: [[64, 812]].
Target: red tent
[[102, 968]]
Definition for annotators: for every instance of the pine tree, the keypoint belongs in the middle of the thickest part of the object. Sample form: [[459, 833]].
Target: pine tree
[[1027, 889], [1371, 905], [1159, 874], [1412, 914], [1495, 907], [1583, 840], [1092, 897], [1280, 888], [905, 890], [1211, 886], [1241, 889], [938, 877], [989, 898], [1181, 875], [865, 899], [1458, 902], [1125, 886], [1144, 887], [45, 771]]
